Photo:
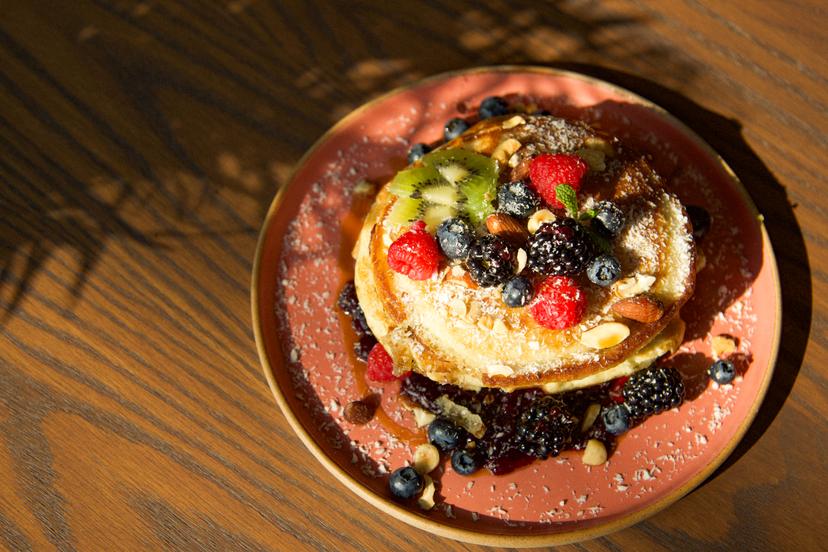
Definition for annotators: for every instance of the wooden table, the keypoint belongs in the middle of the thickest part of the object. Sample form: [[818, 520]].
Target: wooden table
[[140, 146]]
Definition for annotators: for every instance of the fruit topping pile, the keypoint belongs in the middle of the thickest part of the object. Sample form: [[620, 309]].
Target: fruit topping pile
[[454, 207], [484, 222]]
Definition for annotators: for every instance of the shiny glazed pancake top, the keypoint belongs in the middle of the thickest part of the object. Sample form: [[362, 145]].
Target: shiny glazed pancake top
[[453, 331]]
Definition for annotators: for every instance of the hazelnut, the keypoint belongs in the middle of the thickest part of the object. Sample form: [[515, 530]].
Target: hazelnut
[[359, 412], [595, 453]]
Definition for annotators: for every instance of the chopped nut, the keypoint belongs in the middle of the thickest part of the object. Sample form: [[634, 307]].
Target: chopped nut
[[426, 500], [594, 158], [723, 345], [458, 307], [506, 227], [590, 416], [521, 259], [499, 326], [484, 143], [365, 188], [595, 453], [359, 412], [505, 149], [701, 260], [513, 122], [423, 417], [499, 370], [605, 335], [474, 311], [642, 308], [629, 287], [514, 160], [538, 218], [461, 416], [426, 458], [600, 144]]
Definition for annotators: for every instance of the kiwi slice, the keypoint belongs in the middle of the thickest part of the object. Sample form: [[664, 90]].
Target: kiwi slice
[[408, 181], [474, 175], [453, 182]]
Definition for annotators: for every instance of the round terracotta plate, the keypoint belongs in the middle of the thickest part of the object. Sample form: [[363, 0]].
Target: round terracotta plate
[[305, 344]]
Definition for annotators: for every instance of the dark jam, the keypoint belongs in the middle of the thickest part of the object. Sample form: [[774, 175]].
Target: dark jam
[[522, 425]]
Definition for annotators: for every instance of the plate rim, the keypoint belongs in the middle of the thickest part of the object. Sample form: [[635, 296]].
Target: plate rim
[[492, 539]]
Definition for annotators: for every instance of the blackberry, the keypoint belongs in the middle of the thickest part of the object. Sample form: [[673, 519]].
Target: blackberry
[[609, 220], [493, 106], [653, 390], [517, 199], [454, 128], [347, 300], [491, 260], [417, 151], [699, 219], [546, 428], [349, 304], [363, 346], [561, 247]]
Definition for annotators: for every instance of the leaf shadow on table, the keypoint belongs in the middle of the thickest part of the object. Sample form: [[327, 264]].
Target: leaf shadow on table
[[726, 138], [199, 136]]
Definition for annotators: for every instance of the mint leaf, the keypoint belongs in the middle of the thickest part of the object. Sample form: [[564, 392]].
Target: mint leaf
[[587, 214], [603, 244], [566, 195]]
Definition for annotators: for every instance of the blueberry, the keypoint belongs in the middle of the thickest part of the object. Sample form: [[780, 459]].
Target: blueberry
[[444, 435], [609, 219], [455, 237], [517, 291], [417, 151], [722, 372], [700, 219], [517, 199], [493, 106], [405, 483], [616, 418], [604, 270], [454, 128], [464, 461]]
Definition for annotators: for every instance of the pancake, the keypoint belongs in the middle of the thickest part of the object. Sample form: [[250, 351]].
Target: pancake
[[454, 331]]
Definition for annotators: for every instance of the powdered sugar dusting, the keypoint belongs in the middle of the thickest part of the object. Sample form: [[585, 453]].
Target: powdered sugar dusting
[[650, 461]]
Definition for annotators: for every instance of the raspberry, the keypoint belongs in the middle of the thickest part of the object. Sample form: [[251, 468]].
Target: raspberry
[[380, 365], [415, 253], [547, 170], [559, 304]]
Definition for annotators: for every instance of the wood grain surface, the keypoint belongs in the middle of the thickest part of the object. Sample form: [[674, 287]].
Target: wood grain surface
[[140, 146]]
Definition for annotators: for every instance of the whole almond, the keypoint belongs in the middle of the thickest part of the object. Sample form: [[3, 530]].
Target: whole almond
[[506, 227], [641, 308], [521, 169]]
